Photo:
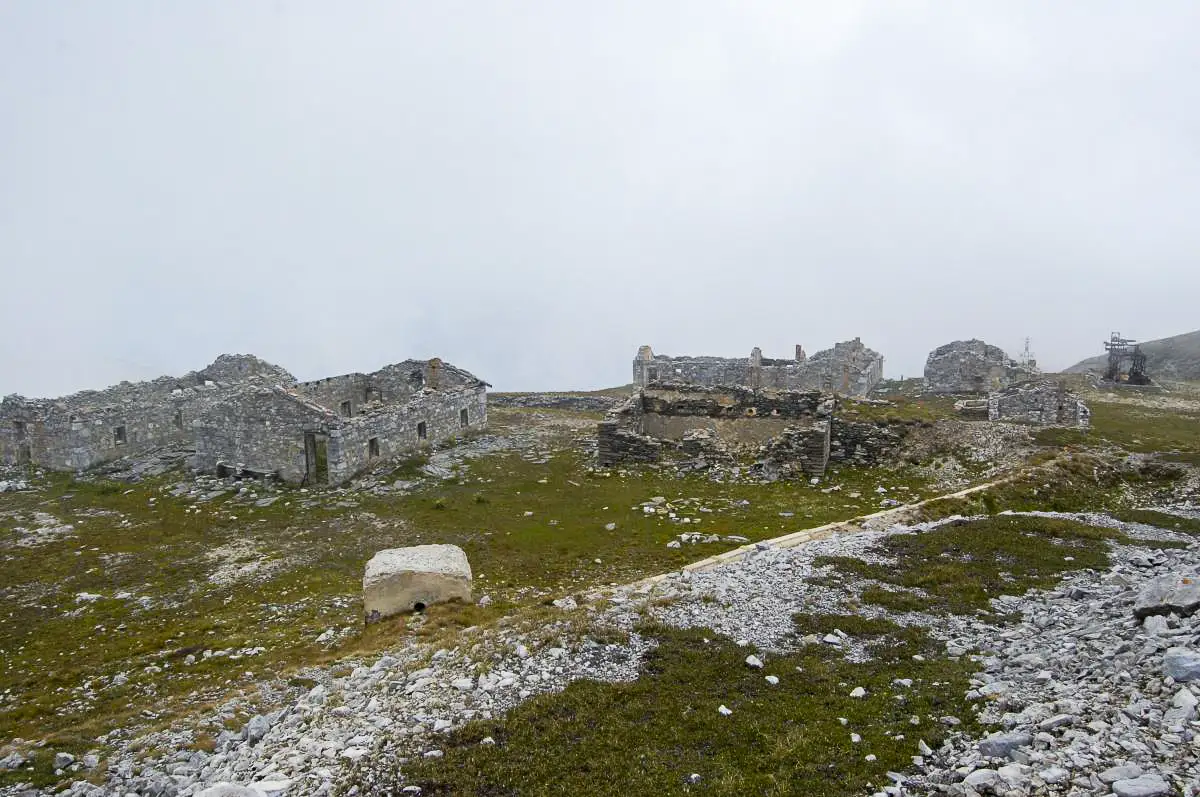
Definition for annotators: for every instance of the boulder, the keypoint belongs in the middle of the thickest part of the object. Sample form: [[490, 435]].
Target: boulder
[[229, 790], [1182, 664], [1178, 594], [1001, 745], [1144, 786], [409, 579]]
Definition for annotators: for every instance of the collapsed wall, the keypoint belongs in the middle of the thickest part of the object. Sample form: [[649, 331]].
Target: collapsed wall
[[793, 426], [849, 368], [972, 366]]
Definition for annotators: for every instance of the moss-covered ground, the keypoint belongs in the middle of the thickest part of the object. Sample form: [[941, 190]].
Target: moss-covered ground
[[650, 736]]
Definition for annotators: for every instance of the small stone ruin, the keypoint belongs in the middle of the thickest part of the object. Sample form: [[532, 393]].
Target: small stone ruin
[[1040, 403], [717, 422], [401, 580]]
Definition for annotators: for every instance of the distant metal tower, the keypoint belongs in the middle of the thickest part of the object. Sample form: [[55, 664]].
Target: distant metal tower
[[1119, 350], [1027, 357]]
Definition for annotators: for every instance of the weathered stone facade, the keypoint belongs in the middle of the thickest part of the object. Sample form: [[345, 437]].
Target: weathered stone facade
[[245, 415], [972, 366], [1041, 403], [793, 424], [84, 429], [849, 369]]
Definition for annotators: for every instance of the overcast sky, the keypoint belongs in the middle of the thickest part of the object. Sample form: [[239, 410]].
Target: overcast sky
[[531, 190]]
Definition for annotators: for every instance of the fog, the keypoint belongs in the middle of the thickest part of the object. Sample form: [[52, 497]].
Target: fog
[[533, 190]]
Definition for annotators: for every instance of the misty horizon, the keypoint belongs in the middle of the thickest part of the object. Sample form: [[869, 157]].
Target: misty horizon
[[533, 192]]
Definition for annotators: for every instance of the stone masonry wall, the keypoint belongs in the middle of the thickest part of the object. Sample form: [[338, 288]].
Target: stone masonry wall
[[257, 421], [264, 429], [866, 443], [87, 428], [260, 429], [395, 427], [849, 368], [1040, 404]]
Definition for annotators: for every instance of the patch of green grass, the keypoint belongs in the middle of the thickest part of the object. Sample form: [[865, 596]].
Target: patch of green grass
[[1162, 520], [894, 600], [1073, 482], [962, 565], [648, 736], [1145, 429], [1059, 437], [409, 467], [899, 409]]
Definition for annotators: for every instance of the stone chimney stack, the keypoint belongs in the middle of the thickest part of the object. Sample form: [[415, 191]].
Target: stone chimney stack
[[800, 355]]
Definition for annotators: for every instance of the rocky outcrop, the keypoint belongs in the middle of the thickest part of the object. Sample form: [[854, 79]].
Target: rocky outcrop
[[409, 579], [971, 366]]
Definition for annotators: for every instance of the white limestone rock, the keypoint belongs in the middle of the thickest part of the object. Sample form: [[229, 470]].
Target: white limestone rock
[[407, 579]]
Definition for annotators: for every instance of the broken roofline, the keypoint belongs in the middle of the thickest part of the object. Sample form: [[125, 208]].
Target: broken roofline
[[335, 420], [444, 366], [819, 355]]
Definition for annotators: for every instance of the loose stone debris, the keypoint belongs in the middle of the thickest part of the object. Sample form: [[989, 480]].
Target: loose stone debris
[[1094, 691]]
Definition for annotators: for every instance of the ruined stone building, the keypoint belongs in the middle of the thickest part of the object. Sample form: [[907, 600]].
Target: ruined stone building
[[849, 368], [718, 419], [972, 366], [242, 414], [1039, 402]]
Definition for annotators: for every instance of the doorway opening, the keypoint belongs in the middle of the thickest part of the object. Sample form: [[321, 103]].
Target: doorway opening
[[316, 455]]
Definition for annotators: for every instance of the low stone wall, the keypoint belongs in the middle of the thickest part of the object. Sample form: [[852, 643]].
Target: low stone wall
[[799, 451], [555, 401], [617, 446], [867, 443]]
